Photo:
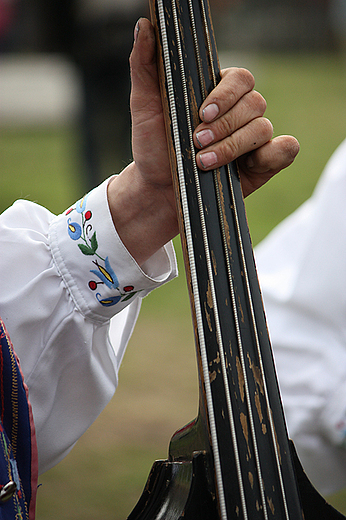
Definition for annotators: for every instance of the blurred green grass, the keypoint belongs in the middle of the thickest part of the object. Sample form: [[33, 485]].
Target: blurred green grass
[[40, 164], [105, 473]]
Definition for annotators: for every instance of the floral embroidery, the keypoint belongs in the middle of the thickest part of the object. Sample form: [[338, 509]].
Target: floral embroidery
[[106, 274], [74, 230], [88, 245]]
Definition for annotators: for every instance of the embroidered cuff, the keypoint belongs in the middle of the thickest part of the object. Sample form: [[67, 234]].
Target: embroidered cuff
[[100, 274]]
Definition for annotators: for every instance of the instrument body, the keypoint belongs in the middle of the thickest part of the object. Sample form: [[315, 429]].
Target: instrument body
[[234, 461]]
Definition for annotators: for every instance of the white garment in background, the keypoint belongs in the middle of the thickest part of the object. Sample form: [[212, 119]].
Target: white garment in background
[[302, 271], [62, 279]]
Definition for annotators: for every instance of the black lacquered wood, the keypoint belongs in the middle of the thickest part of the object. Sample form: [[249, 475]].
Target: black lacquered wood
[[240, 432], [217, 200]]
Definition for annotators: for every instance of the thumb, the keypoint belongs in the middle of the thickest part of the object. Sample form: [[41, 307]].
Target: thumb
[[144, 76]]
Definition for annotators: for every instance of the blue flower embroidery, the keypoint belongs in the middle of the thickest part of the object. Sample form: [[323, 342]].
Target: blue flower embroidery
[[89, 246], [108, 302], [81, 204], [74, 230], [106, 274]]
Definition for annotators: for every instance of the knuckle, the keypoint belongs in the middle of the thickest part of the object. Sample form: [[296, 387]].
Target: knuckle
[[238, 82], [225, 126], [265, 128], [258, 102], [246, 77], [228, 151]]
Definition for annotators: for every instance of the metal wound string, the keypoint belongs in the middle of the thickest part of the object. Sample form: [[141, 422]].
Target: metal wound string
[[204, 358], [248, 289], [241, 350], [234, 306], [242, 361], [214, 299], [232, 291], [247, 283], [190, 250]]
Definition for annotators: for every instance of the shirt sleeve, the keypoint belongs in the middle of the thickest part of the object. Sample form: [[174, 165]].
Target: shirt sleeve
[[64, 279], [301, 267]]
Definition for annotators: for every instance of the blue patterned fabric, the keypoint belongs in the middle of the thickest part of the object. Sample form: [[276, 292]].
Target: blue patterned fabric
[[18, 454]]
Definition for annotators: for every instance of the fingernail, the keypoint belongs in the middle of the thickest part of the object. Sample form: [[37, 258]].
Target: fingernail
[[210, 112], [204, 137], [208, 160], [136, 31]]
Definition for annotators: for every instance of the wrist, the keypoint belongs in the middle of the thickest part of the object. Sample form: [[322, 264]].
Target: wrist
[[143, 213]]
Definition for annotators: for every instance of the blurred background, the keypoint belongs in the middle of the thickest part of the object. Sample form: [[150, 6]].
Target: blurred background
[[64, 126]]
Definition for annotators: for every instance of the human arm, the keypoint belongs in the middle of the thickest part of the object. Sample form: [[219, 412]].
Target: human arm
[[57, 319], [141, 198], [57, 308]]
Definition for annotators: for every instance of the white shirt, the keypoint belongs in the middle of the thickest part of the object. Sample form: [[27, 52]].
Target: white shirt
[[302, 271], [62, 279]]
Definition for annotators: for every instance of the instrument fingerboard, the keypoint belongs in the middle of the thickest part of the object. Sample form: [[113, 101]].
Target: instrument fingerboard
[[252, 467]]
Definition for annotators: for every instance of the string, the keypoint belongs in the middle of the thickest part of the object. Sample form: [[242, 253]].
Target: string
[[265, 387], [190, 250], [194, 280], [234, 306], [232, 291], [218, 471], [240, 346], [252, 312], [213, 292]]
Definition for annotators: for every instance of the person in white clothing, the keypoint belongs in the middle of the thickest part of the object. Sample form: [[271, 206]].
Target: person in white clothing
[[301, 266], [64, 278]]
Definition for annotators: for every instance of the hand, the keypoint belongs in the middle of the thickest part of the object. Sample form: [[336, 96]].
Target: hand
[[234, 128], [141, 199]]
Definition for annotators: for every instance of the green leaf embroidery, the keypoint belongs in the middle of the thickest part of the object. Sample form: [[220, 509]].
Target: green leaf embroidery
[[86, 250], [93, 242], [129, 296]]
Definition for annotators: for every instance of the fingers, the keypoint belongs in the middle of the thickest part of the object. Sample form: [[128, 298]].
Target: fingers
[[274, 155], [235, 83], [260, 165], [142, 58], [251, 105], [233, 127], [233, 122], [145, 90], [254, 134]]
